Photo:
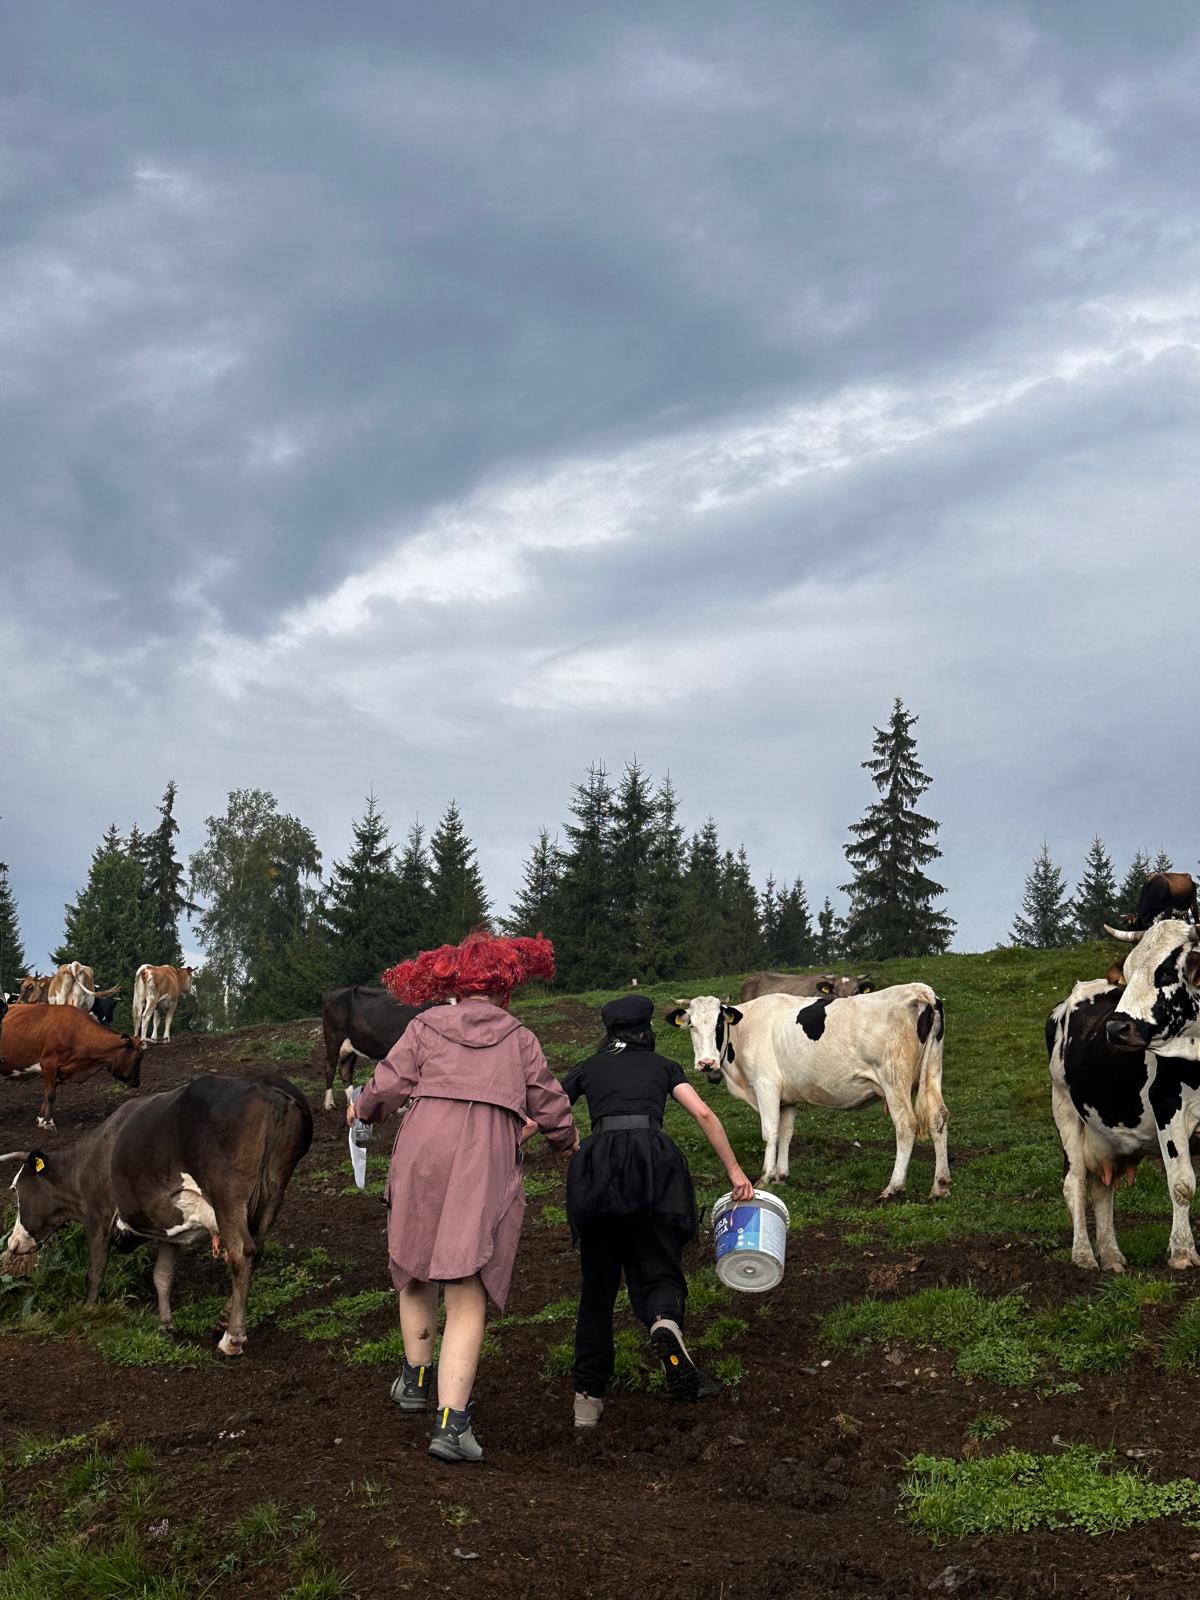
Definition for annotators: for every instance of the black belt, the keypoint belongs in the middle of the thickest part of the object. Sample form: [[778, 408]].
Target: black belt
[[616, 1124]]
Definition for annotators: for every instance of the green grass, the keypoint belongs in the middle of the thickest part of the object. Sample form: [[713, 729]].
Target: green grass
[[341, 1317], [1016, 1491], [274, 1050], [94, 1530], [1000, 1338]]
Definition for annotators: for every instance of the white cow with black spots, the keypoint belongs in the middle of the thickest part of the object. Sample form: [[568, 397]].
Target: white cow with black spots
[[776, 1053]]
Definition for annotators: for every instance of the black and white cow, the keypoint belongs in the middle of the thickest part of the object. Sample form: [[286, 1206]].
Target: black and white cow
[[1160, 1003], [775, 1054], [1115, 1105], [209, 1160]]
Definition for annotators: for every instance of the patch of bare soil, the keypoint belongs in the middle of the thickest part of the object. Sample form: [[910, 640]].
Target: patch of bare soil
[[785, 1486]]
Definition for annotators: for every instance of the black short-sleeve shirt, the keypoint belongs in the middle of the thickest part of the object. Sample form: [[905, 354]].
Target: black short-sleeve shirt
[[623, 1083]]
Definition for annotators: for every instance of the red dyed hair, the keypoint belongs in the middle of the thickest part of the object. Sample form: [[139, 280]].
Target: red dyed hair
[[481, 964]]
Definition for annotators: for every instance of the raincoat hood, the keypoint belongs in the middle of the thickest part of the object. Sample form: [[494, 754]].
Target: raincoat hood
[[475, 1023]]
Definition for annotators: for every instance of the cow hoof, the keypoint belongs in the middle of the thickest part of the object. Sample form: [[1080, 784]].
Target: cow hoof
[[47, 1123], [1183, 1261], [1087, 1262], [940, 1190], [1113, 1263], [890, 1194], [229, 1346], [329, 1100]]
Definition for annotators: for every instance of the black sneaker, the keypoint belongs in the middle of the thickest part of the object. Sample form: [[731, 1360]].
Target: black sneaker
[[684, 1379], [454, 1438], [411, 1390]]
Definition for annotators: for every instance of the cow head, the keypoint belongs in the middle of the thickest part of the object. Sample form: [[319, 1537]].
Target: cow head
[[1160, 1004], [185, 979], [709, 1021], [125, 1064], [860, 985], [42, 1203]]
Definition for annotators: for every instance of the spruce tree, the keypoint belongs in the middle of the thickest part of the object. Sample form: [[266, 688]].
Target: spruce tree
[[891, 899], [1135, 878], [535, 910], [706, 941], [1095, 900], [1044, 922], [797, 946], [629, 850], [105, 924], [458, 901], [12, 952], [830, 943], [1162, 862], [360, 916], [166, 901], [741, 947], [414, 904], [768, 920], [584, 953], [662, 938]]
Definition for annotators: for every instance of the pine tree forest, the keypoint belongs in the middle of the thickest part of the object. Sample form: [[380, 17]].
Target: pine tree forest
[[620, 886]]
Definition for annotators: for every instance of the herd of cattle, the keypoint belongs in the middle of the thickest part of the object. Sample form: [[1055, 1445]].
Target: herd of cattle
[[213, 1158]]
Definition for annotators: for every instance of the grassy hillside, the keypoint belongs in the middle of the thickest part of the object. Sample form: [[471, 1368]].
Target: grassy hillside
[[1006, 1161]]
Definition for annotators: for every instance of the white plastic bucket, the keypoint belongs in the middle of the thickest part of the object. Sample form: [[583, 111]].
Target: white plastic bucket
[[750, 1239]]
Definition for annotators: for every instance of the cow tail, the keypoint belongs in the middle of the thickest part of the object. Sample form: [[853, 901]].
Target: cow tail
[[288, 1138], [930, 1108]]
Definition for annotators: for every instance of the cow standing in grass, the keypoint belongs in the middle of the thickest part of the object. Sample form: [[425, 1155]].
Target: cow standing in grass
[[1114, 1104], [210, 1160], [775, 1054]]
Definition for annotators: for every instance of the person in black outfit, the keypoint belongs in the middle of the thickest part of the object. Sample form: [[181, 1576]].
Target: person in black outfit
[[631, 1204]]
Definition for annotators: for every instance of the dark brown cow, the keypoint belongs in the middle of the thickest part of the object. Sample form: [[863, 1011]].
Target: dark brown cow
[[1164, 894], [830, 983], [210, 1160], [359, 1021], [64, 1044]]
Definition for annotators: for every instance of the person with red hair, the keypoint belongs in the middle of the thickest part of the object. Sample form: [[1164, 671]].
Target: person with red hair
[[476, 1085]]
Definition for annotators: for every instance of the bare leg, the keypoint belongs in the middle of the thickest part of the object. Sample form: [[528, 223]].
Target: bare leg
[[164, 1277], [418, 1321], [462, 1341]]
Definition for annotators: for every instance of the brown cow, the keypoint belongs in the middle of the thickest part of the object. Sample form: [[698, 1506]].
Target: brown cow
[[64, 1044], [75, 985], [827, 983], [34, 991], [157, 990], [1164, 894]]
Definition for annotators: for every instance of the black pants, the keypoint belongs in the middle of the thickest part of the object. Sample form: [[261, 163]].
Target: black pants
[[649, 1255]]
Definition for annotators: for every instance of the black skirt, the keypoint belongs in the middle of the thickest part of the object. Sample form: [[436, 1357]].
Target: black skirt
[[631, 1172]]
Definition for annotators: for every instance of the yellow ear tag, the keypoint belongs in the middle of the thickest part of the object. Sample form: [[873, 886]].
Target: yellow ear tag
[[679, 1022], [39, 1165]]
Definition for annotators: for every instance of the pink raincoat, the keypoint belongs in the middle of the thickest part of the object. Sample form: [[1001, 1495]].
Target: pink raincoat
[[470, 1074]]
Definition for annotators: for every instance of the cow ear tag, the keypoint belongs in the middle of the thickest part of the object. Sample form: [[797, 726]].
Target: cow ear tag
[[825, 988], [679, 1022], [38, 1164]]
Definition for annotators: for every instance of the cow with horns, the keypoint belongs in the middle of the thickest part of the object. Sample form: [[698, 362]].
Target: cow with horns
[[828, 983]]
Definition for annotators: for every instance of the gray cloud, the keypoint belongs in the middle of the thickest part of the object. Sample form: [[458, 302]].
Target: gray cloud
[[443, 398]]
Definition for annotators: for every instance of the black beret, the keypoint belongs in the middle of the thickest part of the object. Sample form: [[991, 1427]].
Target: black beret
[[630, 1011]]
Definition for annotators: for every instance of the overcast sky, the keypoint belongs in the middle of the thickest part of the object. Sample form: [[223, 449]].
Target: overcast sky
[[440, 398]]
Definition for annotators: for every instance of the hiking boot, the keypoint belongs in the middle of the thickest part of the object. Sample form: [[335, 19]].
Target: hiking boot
[[411, 1390], [684, 1379], [454, 1438], [589, 1409]]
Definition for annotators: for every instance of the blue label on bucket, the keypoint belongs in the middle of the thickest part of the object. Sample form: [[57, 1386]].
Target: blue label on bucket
[[749, 1228]]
